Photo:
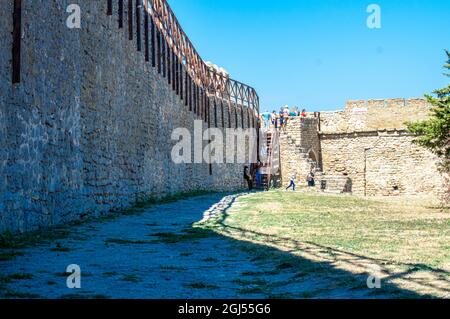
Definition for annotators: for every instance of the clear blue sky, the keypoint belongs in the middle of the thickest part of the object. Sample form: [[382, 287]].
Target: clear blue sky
[[320, 53]]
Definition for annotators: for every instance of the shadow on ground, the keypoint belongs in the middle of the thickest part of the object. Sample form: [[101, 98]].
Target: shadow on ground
[[165, 252], [341, 269]]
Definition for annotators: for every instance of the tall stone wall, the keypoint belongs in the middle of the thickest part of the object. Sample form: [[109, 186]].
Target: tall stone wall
[[300, 148], [363, 115], [88, 129]]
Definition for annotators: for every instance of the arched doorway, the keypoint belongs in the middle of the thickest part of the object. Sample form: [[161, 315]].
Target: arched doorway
[[313, 159]]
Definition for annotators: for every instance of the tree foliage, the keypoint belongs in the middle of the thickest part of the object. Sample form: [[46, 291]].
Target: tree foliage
[[434, 133]]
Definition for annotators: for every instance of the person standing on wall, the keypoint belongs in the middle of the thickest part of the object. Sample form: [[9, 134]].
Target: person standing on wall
[[274, 119], [286, 114], [292, 181], [281, 117]]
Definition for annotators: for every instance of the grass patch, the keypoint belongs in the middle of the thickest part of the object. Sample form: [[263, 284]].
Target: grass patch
[[307, 295], [186, 254], [256, 282], [260, 273], [13, 294], [317, 232], [210, 260], [285, 265], [110, 274], [130, 278], [59, 248], [191, 234], [9, 255], [120, 241], [21, 276], [6, 279], [200, 285], [284, 295], [79, 296], [250, 290], [10, 241], [171, 268]]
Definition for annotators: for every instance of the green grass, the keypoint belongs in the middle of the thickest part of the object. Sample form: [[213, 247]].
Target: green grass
[[397, 233], [186, 254], [110, 274], [21, 276], [6, 279], [83, 296], [130, 278], [9, 255], [171, 268], [120, 241], [13, 294], [10, 241], [190, 235], [200, 285], [210, 260], [59, 248]]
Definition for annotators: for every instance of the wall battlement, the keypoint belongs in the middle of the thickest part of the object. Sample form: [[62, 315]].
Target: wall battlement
[[369, 115], [380, 104]]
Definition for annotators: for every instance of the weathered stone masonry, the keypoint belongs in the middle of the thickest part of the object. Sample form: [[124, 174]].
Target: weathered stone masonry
[[365, 149], [87, 130]]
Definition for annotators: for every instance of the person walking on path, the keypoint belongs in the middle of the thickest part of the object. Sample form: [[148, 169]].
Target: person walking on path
[[292, 181]]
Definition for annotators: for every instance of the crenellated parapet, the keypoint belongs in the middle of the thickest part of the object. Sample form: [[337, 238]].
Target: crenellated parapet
[[373, 115]]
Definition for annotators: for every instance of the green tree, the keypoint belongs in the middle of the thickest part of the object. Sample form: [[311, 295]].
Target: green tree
[[434, 133]]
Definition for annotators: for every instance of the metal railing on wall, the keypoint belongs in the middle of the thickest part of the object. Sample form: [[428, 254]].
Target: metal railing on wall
[[171, 50]]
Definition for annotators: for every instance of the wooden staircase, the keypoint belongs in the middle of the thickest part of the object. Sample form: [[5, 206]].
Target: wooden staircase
[[268, 177]]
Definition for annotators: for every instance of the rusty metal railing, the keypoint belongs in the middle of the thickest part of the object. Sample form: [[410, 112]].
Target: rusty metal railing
[[234, 94]]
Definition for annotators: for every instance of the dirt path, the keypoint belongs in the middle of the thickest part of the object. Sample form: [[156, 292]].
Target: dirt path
[[158, 254]]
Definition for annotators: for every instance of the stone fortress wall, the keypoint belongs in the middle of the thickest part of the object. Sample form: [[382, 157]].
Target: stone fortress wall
[[366, 150], [87, 130], [367, 115]]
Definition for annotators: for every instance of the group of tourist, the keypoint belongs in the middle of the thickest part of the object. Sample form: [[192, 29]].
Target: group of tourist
[[280, 119], [254, 175], [310, 178]]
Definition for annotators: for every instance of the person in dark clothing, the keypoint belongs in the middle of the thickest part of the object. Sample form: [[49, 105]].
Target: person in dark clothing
[[311, 180], [248, 178]]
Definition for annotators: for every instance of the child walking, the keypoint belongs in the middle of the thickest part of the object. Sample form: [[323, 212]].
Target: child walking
[[292, 179]]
